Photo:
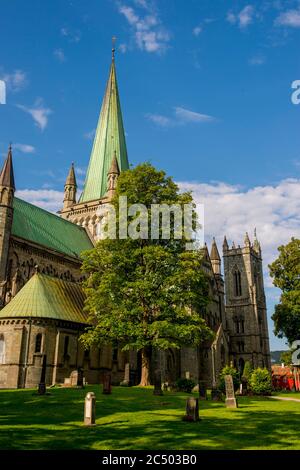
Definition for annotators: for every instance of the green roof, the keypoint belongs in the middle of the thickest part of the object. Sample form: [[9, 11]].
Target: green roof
[[47, 297], [109, 141], [40, 226]]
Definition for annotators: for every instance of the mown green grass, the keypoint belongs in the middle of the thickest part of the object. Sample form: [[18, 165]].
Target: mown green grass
[[132, 418]]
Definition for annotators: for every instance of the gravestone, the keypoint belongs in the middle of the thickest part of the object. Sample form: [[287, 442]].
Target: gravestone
[[132, 377], [42, 384], [230, 401], [187, 375], [157, 383], [107, 384], [90, 409], [76, 378], [216, 395], [202, 390], [192, 410], [126, 381]]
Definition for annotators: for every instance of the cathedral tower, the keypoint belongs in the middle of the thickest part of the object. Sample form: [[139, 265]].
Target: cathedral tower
[[7, 190], [246, 313]]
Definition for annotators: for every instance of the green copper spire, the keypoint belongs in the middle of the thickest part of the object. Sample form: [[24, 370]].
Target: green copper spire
[[109, 141]]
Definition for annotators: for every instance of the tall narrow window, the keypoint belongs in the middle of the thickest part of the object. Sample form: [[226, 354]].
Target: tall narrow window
[[66, 345], [237, 283], [38, 343], [2, 350]]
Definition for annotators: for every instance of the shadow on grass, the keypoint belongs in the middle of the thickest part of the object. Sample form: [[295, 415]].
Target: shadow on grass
[[133, 418]]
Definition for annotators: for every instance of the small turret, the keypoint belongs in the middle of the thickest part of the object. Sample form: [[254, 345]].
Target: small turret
[[247, 240], [7, 181], [225, 244], [215, 258], [256, 244], [70, 189], [7, 190], [112, 177]]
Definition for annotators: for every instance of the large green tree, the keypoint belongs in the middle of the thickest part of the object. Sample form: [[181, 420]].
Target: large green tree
[[285, 271], [145, 294]]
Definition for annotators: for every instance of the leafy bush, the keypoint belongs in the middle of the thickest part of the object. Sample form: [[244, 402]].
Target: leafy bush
[[185, 385], [261, 382], [229, 370], [248, 369]]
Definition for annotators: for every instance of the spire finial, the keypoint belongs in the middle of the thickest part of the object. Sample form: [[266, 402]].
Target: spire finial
[[113, 50]]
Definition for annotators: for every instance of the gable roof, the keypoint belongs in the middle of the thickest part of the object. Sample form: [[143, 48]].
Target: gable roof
[[47, 297], [40, 226]]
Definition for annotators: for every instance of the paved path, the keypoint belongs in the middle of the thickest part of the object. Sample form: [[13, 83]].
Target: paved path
[[285, 399]]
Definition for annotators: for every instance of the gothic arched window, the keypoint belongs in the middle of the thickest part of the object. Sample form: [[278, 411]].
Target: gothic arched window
[[2, 350], [38, 343], [237, 283]]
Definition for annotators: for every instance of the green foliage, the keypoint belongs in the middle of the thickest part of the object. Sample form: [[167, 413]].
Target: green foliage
[[248, 369], [145, 293], [285, 271], [286, 357], [185, 385], [261, 382], [229, 370]]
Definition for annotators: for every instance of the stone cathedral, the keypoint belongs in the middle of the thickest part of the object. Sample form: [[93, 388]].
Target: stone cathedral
[[41, 298]]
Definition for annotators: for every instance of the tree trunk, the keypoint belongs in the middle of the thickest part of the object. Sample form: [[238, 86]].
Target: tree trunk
[[146, 359]]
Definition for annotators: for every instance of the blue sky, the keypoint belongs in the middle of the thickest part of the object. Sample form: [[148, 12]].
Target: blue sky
[[206, 95]]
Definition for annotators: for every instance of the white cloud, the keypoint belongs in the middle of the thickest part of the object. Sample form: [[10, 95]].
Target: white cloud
[[48, 199], [257, 60], [59, 55], [123, 47], [70, 34], [90, 134], [38, 112], [149, 34], [15, 81], [160, 120], [24, 148], [181, 116], [243, 18], [80, 171], [197, 30], [185, 115], [231, 211], [289, 18]]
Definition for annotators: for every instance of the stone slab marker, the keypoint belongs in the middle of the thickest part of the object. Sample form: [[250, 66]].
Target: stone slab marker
[[230, 401], [90, 409], [106, 384], [192, 410]]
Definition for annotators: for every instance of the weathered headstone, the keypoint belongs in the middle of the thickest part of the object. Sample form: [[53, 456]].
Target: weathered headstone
[[192, 410], [202, 390], [157, 383], [126, 381], [216, 395], [90, 409], [107, 384], [187, 375], [76, 378], [42, 384], [230, 401]]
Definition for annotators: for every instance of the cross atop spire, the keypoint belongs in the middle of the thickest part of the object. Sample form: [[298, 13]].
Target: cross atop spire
[[113, 50], [109, 141]]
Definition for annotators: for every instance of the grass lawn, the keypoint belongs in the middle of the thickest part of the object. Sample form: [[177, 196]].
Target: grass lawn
[[132, 418], [288, 394]]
